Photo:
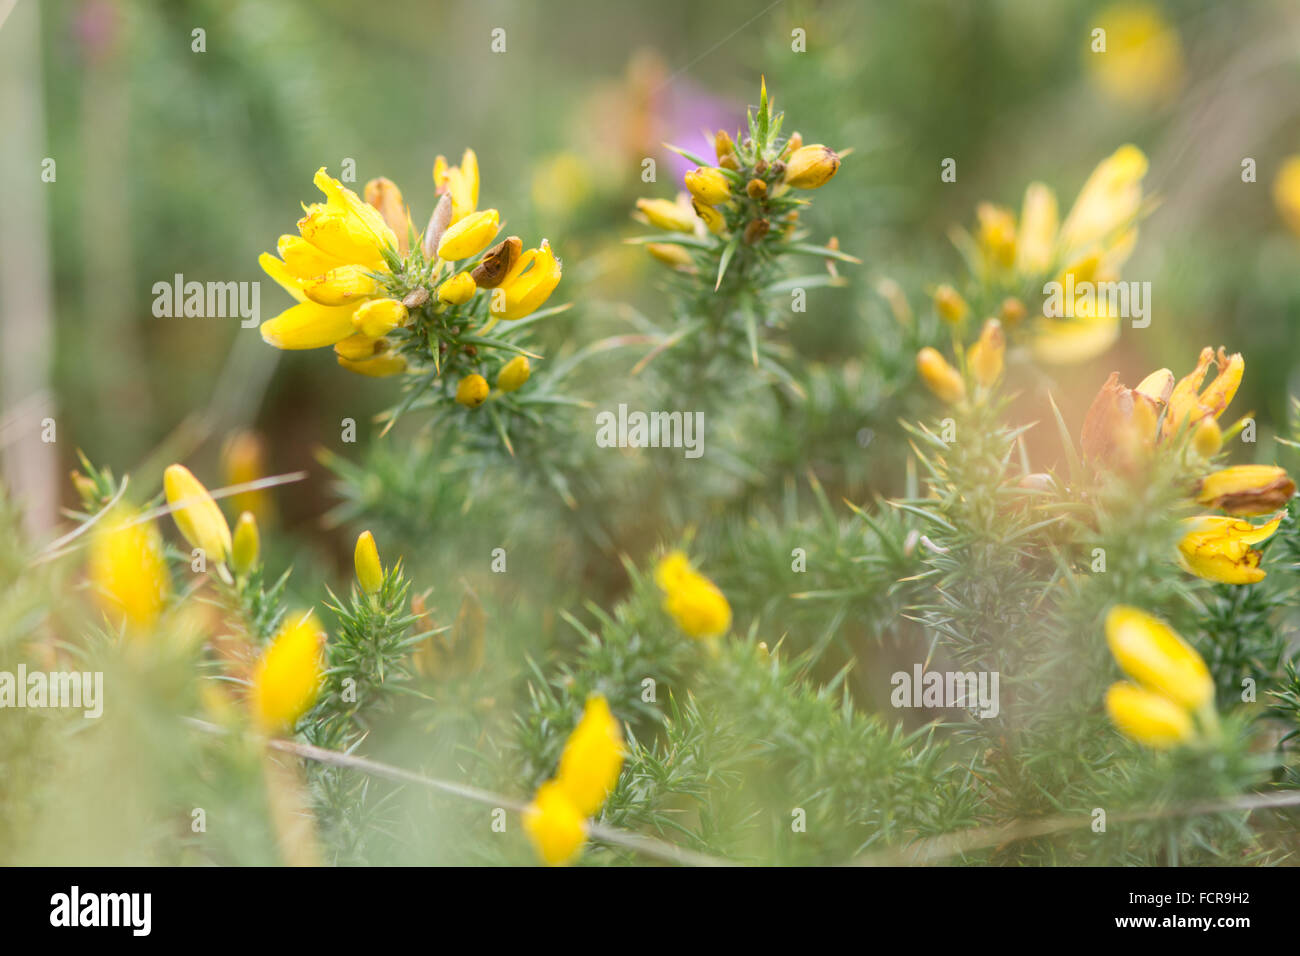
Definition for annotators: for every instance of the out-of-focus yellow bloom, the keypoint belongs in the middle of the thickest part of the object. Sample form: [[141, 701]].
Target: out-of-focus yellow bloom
[[287, 677], [462, 182], [1286, 193], [1103, 215], [1189, 404], [1143, 61], [243, 460], [128, 569], [670, 254], [1147, 717], [196, 514], [709, 185], [562, 184], [370, 573], [693, 601], [378, 317], [952, 308], [997, 234], [246, 545], [472, 390], [986, 355], [940, 377], [342, 286], [592, 758], [1218, 548], [1149, 651], [1208, 438], [811, 166], [527, 285], [457, 290], [668, 215], [554, 825], [1036, 239], [378, 366], [514, 374], [1246, 490], [470, 236]]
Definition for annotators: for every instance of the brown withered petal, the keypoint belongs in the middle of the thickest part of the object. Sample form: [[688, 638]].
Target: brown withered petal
[[438, 224], [1269, 493], [756, 230], [384, 196], [497, 263], [1119, 424]]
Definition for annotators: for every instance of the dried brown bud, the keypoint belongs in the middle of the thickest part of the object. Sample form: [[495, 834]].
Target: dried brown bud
[[416, 298], [756, 230], [756, 189], [497, 263], [438, 224]]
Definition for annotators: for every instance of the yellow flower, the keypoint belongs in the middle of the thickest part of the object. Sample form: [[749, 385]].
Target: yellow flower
[[940, 377], [554, 825], [1286, 193], [1188, 403], [461, 182], [1208, 438], [952, 308], [1218, 548], [370, 573], [345, 227], [527, 285], [811, 166], [358, 347], [196, 514], [997, 234], [693, 601], [243, 460], [472, 391], [986, 355], [308, 326], [128, 569], [287, 677], [668, 215], [1143, 60], [470, 236], [514, 374], [592, 758], [378, 317], [1147, 717], [1149, 651], [670, 254], [1106, 209], [341, 286], [377, 366], [713, 220], [1036, 239], [1246, 490], [457, 290], [246, 544], [708, 185]]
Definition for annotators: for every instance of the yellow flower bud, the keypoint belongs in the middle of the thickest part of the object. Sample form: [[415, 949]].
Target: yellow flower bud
[[1149, 718], [665, 214], [811, 166], [670, 254], [243, 460], [196, 515], [358, 347], [708, 185], [370, 573], [1246, 490], [1012, 311], [693, 601], [554, 825], [756, 189], [986, 355], [997, 234], [1219, 549], [1208, 438], [287, 677], [128, 569], [246, 545], [940, 377], [472, 391], [470, 236], [527, 285], [513, 374], [382, 365], [308, 325], [1286, 192], [1149, 651], [341, 286], [952, 308], [457, 290], [722, 145], [713, 220], [379, 317], [592, 758]]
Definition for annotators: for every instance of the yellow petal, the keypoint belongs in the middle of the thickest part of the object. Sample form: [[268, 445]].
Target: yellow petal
[[1147, 717], [286, 680], [309, 326], [1150, 652], [554, 825], [196, 514], [592, 758]]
